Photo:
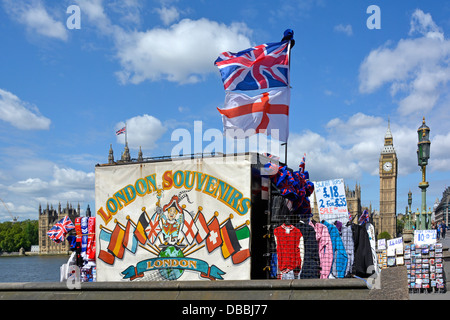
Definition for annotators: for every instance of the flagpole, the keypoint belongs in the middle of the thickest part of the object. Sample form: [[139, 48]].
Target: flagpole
[[126, 133], [289, 61], [289, 88]]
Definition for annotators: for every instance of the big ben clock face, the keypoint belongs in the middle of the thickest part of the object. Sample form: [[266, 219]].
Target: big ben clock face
[[387, 166]]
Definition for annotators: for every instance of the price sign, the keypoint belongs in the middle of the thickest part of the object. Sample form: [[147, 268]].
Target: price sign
[[393, 245], [424, 236], [396, 242], [331, 201], [381, 244]]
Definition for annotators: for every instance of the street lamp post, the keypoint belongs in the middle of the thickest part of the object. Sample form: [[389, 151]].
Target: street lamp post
[[423, 154], [408, 230], [409, 221]]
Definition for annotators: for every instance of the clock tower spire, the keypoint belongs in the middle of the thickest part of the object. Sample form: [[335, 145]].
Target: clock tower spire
[[388, 186]]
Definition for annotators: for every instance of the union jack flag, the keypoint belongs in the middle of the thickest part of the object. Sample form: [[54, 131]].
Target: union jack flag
[[120, 131], [60, 229], [364, 217], [301, 166], [260, 67]]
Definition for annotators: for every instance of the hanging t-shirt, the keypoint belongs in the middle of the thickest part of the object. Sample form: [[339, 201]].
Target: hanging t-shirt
[[280, 209], [363, 252], [310, 258], [288, 240], [347, 239], [325, 248], [340, 257]]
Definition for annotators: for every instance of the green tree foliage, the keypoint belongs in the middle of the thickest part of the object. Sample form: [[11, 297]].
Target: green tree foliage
[[22, 234], [384, 235], [400, 223]]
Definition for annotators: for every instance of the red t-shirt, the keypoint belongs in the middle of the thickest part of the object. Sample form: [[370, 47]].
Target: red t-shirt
[[288, 241]]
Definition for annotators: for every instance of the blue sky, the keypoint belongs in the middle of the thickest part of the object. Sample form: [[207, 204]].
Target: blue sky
[[64, 92]]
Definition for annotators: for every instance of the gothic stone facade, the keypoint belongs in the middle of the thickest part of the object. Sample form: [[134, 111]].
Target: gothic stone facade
[[386, 221], [47, 219]]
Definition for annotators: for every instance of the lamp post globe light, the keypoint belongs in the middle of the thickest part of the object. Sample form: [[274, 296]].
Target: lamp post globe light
[[423, 154]]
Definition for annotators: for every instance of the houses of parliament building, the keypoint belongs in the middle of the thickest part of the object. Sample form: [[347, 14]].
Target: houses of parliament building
[[47, 219]]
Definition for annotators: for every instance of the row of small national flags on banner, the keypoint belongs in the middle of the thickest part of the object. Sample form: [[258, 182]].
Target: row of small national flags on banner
[[261, 67], [234, 242]]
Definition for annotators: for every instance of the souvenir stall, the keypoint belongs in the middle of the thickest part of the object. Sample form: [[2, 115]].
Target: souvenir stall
[[81, 263], [299, 247], [423, 259], [208, 219]]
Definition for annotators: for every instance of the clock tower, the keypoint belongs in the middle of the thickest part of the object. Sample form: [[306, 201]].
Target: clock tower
[[387, 221]]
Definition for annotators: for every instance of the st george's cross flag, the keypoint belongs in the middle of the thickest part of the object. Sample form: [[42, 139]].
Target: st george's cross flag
[[202, 226], [266, 113], [189, 227], [261, 67]]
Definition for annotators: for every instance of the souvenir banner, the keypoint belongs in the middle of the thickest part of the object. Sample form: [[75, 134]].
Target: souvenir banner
[[173, 220], [331, 200]]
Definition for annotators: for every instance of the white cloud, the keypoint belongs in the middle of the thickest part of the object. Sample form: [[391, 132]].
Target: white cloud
[[142, 131], [325, 158], [69, 177], [20, 114], [129, 10], [29, 186], [417, 69], [63, 185], [62, 180], [35, 17], [168, 15], [182, 53], [94, 12], [347, 29], [440, 152], [423, 23]]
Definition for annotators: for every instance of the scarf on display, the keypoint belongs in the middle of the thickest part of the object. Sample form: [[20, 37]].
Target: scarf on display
[[85, 236], [84, 233], [90, 250]]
